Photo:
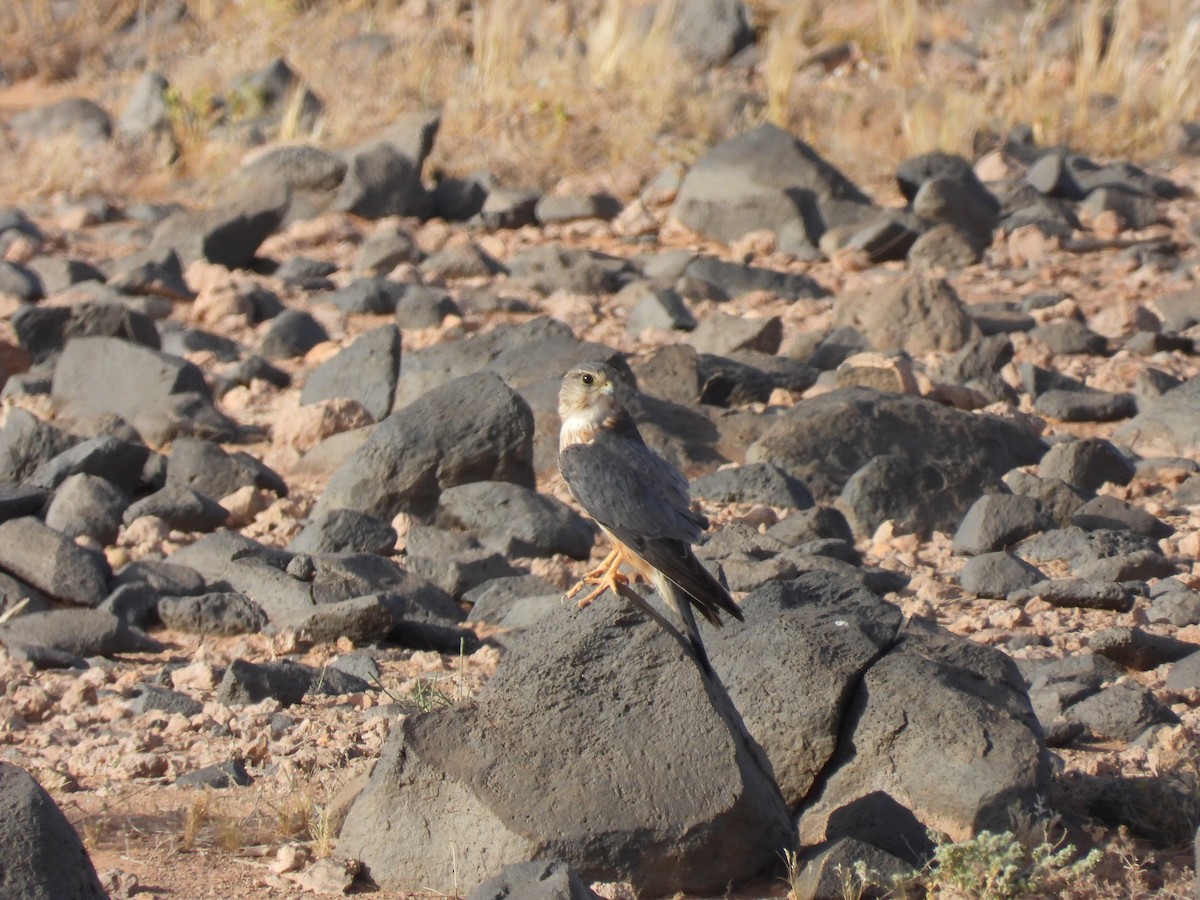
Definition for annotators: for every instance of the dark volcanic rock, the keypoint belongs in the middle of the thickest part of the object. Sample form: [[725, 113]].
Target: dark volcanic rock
[[41, 856], [181, 508], [292, 333], [1121, 712], [206, 468], [754, 483], [215, 613], [916, 314], [767, 179], [515, 520], [87, 505], [997, 521], [537, 731], [228, 235], [246, 682], [540, 880], [472, 429], [79, 632], [52, 562], [365, 371], [997, 574], [941, 460], [345, 531]]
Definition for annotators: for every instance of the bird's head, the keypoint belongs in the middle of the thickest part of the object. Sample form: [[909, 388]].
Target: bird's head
[[587, 398]]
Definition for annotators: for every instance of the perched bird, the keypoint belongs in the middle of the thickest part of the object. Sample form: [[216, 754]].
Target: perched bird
[[640, 501]]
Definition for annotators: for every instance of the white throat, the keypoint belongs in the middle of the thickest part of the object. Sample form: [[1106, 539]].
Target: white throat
[[580, 427]]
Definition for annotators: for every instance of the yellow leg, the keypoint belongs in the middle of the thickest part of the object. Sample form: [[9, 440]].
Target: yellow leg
[[606, 577]]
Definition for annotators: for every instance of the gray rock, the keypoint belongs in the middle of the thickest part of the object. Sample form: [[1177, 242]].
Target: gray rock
[[14, 591], [825, 440], [183, 341], [246, 682], [1085, 406], [381, 181], [255, 368], [228, 235], [541, 880], [1137, 649], [26, 442], [472, 429], [1178, 607], [1079, 593], [214, 613], [87, 505], [887, 237], [728, 383], [206, 468], [21, 282], [306, 273], [1070, 336], [918, 497], [222, 775], [538, 730], [160, 395], [1138, 565], [722, 334], [767, 179], [365, 371], [1058, 498], [463, 571], [1078, 547], [996, 522], [979, 358], [153, 272], [655, 307], [1180, 310], [146, 115], [367, 619], [1184, 677], [829, 870], [41, 855], [385, 249], [423, 307], [79, 632], [1156, 807], [754, 483], [161, 577], [155, 698], [45, 330], [515, 520], [508, 208], [1109, 512], [52, 562], [125, 464], [59, 273], [468, 260], [916, 314], [271, 89], [75, 117], [996, 575], [375, 295], [345, 531], [819, 522], [1121, 712], [547, 268], [930, 692], [553, 208], [707, 33], [308, 175], [181, 508], [1169, 426], [292, 333], [947, 247], [792, 646], [732, 279]]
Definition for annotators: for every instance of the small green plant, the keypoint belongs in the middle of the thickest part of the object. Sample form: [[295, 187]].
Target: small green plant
[[994, 866]]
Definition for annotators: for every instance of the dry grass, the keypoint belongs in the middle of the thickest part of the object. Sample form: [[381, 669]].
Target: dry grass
[[535, 91]]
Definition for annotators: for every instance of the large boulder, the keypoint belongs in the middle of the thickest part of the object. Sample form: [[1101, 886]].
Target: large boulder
[[927, 461], [915, 314], [474, 428], [767, 179], [41, 856], [599, 742]]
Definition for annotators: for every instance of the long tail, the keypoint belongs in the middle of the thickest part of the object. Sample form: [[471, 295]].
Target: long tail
[[681, 603]]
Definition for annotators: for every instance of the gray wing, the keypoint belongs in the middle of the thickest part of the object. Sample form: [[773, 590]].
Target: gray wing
[[630, 489]]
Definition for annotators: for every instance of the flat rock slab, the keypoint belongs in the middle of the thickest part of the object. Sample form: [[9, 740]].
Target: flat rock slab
[[590, 705]]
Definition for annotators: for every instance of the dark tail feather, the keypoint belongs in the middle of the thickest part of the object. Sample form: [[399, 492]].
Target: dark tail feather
[[682, 605]]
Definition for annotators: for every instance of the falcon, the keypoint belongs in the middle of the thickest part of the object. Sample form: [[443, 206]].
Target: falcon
[[640, 501]]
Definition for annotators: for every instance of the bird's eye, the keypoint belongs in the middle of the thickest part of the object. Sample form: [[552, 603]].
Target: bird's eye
[[586, 378]]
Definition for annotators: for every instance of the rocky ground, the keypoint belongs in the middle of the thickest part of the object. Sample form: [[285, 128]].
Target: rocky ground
[[278, 501]]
